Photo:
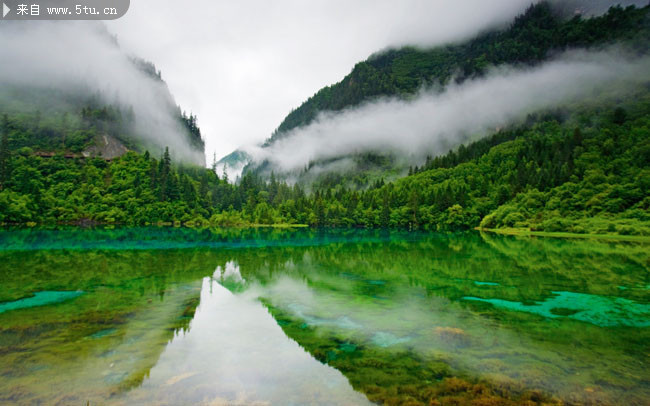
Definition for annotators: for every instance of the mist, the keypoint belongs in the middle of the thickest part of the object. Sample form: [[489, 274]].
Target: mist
[[252, 61], [81, 58], [257, 58], [591, 8], [328, 312], [436, 120]]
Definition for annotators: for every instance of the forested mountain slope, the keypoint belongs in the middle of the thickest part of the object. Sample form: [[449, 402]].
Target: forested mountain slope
[[530, 39], [587, 175], [581, 167], [541, 34], [95, 101]]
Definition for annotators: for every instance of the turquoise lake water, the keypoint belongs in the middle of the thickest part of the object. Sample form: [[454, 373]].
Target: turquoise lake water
[[177, 316]]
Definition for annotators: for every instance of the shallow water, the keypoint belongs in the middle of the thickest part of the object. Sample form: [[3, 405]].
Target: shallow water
[[172, 316]]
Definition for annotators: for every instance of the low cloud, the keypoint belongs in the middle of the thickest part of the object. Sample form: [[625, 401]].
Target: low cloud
[[436, 121], [81, 58], [251, 61]]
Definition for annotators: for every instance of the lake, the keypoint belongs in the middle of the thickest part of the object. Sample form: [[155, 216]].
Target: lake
[[344, 317]]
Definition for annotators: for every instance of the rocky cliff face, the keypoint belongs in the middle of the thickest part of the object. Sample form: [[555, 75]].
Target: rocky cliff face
[[77, 90], [106, 146]]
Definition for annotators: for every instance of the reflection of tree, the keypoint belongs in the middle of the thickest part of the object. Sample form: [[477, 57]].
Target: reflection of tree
[[370, 278], [399, 376], [106, 340], [589, 265], [152, 344], [136, 300]]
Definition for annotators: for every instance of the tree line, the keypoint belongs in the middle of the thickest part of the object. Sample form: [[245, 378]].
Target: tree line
[[586, 175], [530, 39]]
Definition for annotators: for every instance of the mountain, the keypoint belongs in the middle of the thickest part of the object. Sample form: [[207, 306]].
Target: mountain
[[529, 40], [551, 140], [590, 8], [233, 164], [542, 33], [89, 97]]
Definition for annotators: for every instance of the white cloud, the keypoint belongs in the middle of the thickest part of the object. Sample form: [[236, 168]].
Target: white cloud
[[76, 56], [436, 121], [243, 65]]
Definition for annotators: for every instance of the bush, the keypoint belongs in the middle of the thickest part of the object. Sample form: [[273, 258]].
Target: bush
[[556, 225], [514, 219]]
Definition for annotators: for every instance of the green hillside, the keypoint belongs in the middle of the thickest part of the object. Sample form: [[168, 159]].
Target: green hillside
[[70, 121], [582, 168], [78, 107], [530, 39], [588, 175]]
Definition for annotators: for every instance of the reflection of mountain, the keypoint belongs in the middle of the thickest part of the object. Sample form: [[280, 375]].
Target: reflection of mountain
[[600, 267], [387, 314], [236, 353], [104, 341], [392, 318], [143, 338]]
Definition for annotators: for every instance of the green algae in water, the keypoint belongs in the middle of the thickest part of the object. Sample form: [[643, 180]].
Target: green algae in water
[[103, 333], [40, 299], [562, 311], [134, 336], [479, 283], [347, 347], [599, 310], [384, 339]]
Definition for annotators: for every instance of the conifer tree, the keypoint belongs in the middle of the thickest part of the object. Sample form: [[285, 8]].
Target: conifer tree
[[4, 151]]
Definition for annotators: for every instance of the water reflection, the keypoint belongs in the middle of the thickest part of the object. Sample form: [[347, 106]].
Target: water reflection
[[235, 353], [321, 317], [100, 343], [568, 359]]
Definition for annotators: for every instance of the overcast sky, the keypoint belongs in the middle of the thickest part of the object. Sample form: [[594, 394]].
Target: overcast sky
[[242, 65]]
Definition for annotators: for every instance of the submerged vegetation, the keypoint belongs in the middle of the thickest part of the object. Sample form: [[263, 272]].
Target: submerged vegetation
[[355, 287], [393, 313]]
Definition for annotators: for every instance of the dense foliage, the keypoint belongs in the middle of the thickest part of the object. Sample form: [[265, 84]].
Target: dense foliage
[[530, 39], [72, 132], [588, 174], [582, 168], [74, 119]]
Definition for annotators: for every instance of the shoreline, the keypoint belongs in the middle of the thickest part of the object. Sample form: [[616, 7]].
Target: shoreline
[[518, 232]]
